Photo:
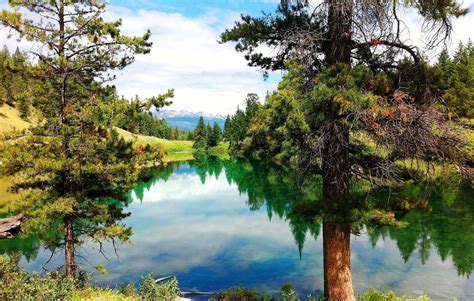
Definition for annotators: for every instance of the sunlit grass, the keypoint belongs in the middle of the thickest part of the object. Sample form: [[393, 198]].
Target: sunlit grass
[[10, 119], [168, 145]]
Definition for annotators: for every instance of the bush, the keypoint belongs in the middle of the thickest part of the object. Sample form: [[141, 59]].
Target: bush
[[373, 295], [150, 290], [19, 285]]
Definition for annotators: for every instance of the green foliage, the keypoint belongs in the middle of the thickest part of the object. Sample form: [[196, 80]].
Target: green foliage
[[19, 285], [129, 289], [16, 88], [200, 135], [227, 130], [454, 77], [135, 116], [373, 295], [235, 127], [215, 135], [208, 138], [150, 290], [74, 169], [288, 293]]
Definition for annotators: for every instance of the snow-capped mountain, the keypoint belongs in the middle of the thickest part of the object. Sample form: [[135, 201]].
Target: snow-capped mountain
[[186, 120]]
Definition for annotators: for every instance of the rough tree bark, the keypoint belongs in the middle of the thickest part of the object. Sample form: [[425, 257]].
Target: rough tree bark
[[69, 246], [336, 180]]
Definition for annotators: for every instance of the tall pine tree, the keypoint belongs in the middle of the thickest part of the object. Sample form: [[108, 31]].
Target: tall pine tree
[[345, 77], [74, 171]]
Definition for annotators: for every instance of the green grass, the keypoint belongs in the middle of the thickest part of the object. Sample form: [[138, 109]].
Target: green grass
[[168, 145], [176, 150], [101, 294], [10, 120], [6, 197]]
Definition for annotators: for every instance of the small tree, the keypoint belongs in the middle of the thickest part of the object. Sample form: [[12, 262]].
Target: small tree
[[200, 135]]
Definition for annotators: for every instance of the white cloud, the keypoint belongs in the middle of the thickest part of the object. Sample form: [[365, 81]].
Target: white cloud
[[207, 76]]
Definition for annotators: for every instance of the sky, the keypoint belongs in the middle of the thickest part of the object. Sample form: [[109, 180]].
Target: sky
[[207, 76]]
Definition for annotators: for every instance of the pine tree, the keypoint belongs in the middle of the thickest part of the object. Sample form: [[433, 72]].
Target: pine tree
[[200, 135], [227, 127], [15, 86], [239, 124], [459, 93], [209, 135], [331, 54], [215, 135], [76, 172], [252, 104]]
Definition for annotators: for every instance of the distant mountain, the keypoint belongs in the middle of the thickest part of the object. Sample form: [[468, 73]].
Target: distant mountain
[[185, 120]]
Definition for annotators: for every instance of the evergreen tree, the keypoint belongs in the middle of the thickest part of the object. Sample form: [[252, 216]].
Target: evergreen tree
[[252, 104], [75, 171], [239, 123], [215, 135], [332, 55], [459, 95], [15, 87], [209, 135], [200, 135], [227, 127]]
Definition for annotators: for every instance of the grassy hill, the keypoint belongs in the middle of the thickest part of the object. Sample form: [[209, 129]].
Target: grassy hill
[[177, 150], [10, 119]]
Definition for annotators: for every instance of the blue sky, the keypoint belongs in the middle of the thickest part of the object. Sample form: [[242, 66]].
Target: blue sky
[[207, 76], [193, 8]]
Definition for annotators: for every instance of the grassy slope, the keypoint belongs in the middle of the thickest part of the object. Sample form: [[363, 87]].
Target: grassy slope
[[177, 150], [9, 120]]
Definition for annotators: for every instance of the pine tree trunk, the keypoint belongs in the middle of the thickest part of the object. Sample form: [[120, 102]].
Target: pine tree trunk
[[336, 166], [336, 234], [69, 247], [337, 263]]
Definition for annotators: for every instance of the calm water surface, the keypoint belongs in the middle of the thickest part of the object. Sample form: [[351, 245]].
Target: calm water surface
[[218, 225]]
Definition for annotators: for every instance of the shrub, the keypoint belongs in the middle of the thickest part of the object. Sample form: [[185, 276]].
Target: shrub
[[19, 285], [129, 290], [150, 290], [373, 295]]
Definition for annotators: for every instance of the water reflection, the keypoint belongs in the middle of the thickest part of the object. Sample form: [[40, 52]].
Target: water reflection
[[193, 220]]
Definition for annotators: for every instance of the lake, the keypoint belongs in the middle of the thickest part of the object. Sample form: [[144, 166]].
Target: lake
[[217, 225]]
